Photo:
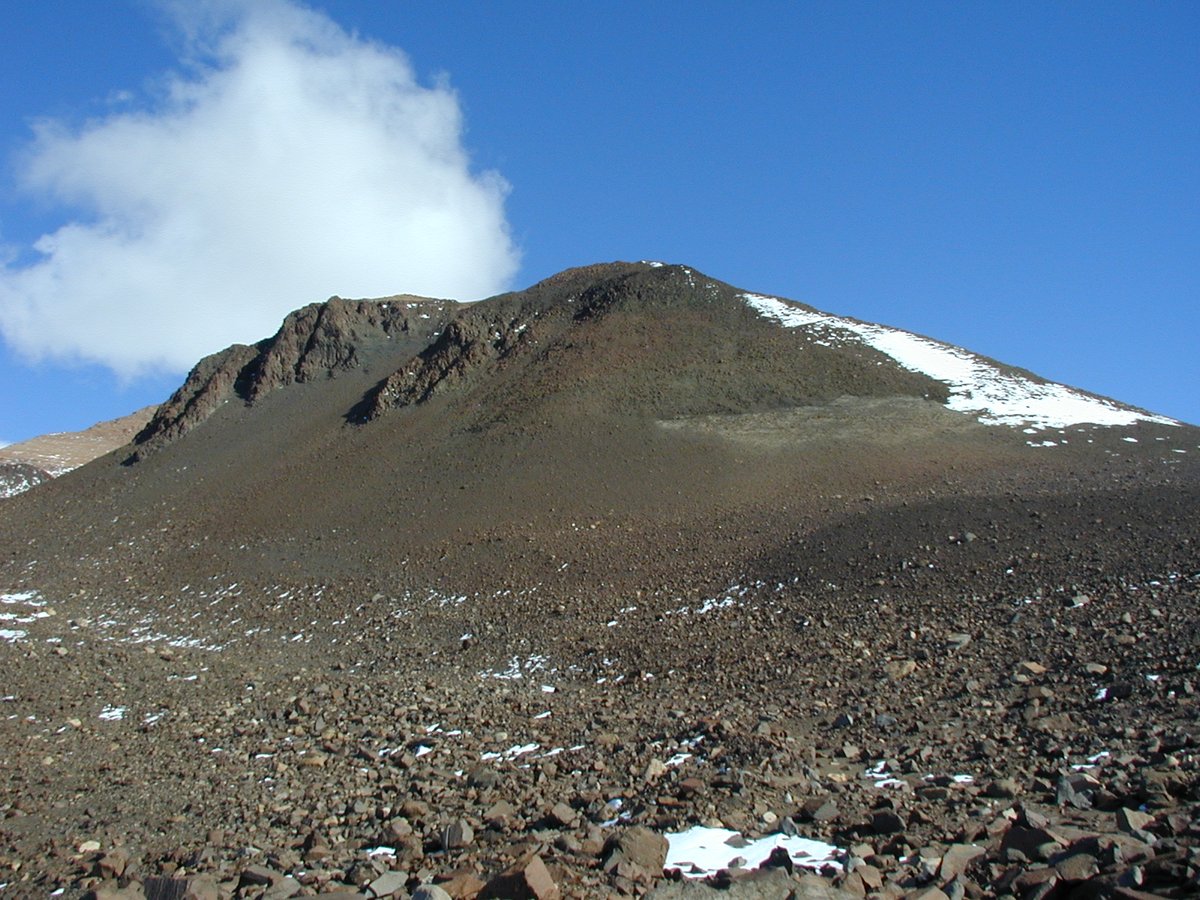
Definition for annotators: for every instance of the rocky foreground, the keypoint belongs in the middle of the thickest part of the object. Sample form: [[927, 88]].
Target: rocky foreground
[[1040, 743]]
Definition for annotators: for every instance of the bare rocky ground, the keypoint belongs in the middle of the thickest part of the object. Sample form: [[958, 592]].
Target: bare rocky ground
[[489, 654], [1000, 712]]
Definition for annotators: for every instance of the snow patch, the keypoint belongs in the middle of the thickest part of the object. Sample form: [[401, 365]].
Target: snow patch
[[976, 386], [510, 753], [700, 852], [880, 773], [31, 609]]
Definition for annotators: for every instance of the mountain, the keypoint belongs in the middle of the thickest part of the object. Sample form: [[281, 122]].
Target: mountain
[[29, 463], [489, 584]]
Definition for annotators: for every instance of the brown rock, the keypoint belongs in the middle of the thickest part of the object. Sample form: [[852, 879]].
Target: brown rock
[[113, 863], [1131, 821], [389, 884], [500, 813], [199, 888], [1030, 843], [414, 809], [639, 846], [456, 835], [871, 876], [957, 859], [563, 815], [854, 884], [527, 879], [899, 668], [462, 886], [112, 892], [1077, 867], [1035, 883], [1002, 789], [764, 884], [253, 876]]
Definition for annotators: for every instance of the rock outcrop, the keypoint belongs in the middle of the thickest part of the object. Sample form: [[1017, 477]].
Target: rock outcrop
[[318, 341]]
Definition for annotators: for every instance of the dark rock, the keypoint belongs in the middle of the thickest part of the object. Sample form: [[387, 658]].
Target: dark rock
[[526, 879], [456, 835], [886, 821], [779, 859]]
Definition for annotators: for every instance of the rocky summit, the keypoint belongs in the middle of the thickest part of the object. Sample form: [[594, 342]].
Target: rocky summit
[[629, 584]]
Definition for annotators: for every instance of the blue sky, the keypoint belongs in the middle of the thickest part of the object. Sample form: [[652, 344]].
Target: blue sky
[[1022, 179]]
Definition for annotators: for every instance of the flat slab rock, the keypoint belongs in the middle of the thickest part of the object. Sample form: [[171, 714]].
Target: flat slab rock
[[767, 884]]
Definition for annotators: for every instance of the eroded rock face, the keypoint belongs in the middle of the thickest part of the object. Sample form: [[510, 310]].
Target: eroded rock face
[[207, 386], [466, 347], [318, 341], [324, 338]]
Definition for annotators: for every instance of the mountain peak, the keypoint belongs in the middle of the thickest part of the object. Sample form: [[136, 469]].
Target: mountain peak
[[644, 339]]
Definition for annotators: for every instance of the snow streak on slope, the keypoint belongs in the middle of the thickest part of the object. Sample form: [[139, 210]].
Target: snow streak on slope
[[976, 386]]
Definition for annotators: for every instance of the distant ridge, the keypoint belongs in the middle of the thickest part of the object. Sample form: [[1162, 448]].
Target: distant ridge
[[32, 462]]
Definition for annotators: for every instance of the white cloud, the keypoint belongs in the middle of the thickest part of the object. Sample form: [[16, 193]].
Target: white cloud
[[292, 161]]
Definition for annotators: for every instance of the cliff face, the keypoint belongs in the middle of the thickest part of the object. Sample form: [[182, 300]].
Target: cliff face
[[322, 339], [318, 341], [206, 387], [467, 346]]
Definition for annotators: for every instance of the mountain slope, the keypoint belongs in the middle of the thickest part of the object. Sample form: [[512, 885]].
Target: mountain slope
[[632, 541], [643, 394]]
